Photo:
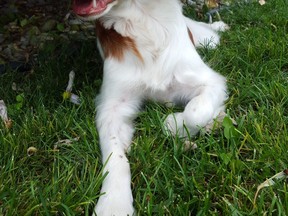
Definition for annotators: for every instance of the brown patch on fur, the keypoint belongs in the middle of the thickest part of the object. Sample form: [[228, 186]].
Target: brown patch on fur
[[114, 44], [191, 36]]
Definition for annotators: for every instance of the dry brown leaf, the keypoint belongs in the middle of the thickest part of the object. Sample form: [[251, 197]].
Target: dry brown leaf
[[262, 2], [212, 3], [217, 122], [188, 145], [65, 142], [31, 151], [269, 182]]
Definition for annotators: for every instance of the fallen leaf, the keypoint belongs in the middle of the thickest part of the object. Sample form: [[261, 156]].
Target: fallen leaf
[[65, 142], [3, 111], [15, 87], [4, 115], [218, 122], [8, 124], [188, 145], [270, 182], [211, 3], [71, 81], [31, 151], [75, 99], [262, 2]]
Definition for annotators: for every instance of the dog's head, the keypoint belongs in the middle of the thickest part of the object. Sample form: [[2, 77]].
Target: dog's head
[[92, 9]]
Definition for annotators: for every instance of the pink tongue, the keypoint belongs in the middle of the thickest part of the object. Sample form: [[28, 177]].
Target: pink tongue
[[85, 7]]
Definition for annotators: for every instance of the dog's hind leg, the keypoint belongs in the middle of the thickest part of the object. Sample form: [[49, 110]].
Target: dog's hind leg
[[206, 34]]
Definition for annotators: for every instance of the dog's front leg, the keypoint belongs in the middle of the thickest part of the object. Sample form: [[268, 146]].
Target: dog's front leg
[[115, 113]]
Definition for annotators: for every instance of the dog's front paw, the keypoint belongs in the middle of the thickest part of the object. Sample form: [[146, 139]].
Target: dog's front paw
[[220, 26], [114, 205]]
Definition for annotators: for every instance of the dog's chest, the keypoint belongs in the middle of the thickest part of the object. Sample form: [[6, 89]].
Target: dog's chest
[[149, 49]]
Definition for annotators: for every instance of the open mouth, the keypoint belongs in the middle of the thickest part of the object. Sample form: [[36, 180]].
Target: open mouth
[[90, 7]]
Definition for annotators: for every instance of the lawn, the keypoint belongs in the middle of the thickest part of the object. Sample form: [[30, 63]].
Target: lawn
[[41, 173]]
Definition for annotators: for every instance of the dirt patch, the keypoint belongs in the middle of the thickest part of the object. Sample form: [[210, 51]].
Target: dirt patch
[[28, 24]]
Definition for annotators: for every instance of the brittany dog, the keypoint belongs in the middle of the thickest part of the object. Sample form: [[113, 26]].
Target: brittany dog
[[148, 47]]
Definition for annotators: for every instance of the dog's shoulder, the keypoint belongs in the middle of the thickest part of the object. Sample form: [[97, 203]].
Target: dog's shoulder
[[115, 44]]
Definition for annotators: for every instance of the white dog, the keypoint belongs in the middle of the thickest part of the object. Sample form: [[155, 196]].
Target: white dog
[[148, 47]]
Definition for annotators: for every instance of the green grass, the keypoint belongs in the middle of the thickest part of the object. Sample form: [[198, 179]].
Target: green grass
[[220, 177]]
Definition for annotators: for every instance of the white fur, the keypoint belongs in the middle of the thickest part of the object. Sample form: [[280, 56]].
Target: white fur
[[172, 72]]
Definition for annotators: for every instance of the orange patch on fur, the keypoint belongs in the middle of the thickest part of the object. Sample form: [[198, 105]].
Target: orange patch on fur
[[114, 44], [191, 36]]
